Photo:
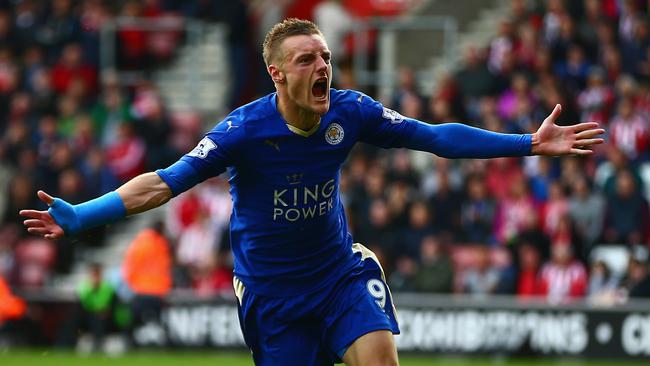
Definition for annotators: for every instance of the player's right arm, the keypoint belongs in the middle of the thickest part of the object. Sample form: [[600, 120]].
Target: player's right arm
[[144, 192]]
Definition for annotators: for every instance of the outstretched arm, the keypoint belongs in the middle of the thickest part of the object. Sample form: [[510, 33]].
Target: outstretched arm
[[211, 157], [142, 193], [455, 140]]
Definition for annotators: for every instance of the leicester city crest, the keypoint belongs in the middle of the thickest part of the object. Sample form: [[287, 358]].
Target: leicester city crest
[[334, 134]]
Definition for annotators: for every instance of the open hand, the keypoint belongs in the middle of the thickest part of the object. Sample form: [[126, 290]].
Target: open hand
[[554, 140], [41, 222]]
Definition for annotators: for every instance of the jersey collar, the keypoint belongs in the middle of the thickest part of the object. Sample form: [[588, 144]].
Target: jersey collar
[[303, 133], [291, 128]]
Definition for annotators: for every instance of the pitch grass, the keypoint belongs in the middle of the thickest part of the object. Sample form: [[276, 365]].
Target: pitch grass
[[198, 358]]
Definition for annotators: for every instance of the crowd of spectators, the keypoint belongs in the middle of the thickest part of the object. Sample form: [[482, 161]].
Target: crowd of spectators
[[525, 226], [70, 130]]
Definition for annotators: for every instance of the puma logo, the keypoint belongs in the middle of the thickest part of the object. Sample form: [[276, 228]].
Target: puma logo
[[230, 125], [273, 144]]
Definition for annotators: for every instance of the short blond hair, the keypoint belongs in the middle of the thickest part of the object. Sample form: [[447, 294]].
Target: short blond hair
[[283, 30]]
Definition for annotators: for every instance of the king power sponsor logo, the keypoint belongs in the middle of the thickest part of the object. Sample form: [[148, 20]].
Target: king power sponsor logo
[[303, 202]]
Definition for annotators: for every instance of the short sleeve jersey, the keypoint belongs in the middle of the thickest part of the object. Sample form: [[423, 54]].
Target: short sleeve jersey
[[288, 228]]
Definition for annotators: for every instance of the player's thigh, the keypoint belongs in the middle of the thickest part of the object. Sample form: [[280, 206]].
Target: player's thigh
[[274, 338], [364, 334], [363, 306], [374, 348]]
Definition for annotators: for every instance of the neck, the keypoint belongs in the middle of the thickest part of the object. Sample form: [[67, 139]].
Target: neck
[[296, 116]]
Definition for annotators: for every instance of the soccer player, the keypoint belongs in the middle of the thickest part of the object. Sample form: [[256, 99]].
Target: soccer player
[[307, 295]]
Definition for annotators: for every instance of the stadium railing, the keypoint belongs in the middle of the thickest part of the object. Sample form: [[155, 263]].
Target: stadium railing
[[430, 323]]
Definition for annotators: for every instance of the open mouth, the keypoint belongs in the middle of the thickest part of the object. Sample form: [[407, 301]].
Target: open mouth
[[319, 90]]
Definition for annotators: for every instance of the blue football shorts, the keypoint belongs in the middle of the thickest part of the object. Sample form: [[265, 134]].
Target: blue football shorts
[[317, 328]]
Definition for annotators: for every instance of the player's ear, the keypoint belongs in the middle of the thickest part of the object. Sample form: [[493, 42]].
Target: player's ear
[[276, 75]]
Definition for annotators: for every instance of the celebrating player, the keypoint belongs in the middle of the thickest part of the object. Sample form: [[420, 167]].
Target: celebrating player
[[307, 295]]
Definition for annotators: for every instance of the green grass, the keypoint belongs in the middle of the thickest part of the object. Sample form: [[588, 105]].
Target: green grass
[[197, 358]]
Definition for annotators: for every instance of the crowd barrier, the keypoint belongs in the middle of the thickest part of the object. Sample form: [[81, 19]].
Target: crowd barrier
[[435, 324]]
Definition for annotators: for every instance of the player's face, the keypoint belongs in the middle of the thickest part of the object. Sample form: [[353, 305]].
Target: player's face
[[307, 72]]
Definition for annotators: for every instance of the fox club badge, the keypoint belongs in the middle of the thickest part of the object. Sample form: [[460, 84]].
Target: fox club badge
[[334, 134]]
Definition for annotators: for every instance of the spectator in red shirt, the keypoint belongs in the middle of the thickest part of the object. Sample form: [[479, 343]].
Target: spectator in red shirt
[[125, 157], [513, 212], [563, 279], [554, 209], [501, 175], [70, 67], [596, 101], [528, 282], [213, 280], [132, 40], [526, 49], [630, 130]]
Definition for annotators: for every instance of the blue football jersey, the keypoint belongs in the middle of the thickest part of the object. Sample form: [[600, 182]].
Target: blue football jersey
[[288, 228]]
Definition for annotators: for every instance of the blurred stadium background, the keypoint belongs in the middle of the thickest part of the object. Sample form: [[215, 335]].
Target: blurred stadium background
[[501, 258]]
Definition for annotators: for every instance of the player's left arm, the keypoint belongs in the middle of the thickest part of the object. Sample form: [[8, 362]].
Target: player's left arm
[[456, 140]]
